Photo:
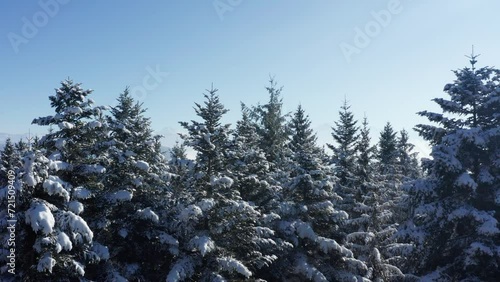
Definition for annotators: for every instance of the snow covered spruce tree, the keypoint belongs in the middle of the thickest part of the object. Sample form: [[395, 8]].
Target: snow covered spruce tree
[[407, 160], [309, 217], [249, 166], [217, 231], [345, 135], [455, 207], [370, 224], [52, 185], [133, 189], [272, 125], [366, 152], [387, 152]]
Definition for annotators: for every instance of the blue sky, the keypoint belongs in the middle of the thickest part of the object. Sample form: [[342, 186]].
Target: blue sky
[[236, 44]]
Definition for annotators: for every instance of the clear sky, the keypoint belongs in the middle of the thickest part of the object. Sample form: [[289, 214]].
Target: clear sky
[[401, 61]]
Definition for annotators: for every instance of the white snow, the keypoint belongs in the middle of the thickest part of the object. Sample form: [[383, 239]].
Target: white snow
[[206, 204], [148, 214], [181, 270], [81, 193], [168, 239], [76, 207], [77, 226], [94, 124], [66, 125], [223, 181], [79, 268], [63, 242], [230, 265], [46, 263], [41, 218], [60, 142], [309, 271], [101, 251], [326, 245], [121, 196], [464, 180], [304, 230], [55, 186], [142, 165], [95, 168], [73, 110], [203, 244], [58, 165], [190, 212]]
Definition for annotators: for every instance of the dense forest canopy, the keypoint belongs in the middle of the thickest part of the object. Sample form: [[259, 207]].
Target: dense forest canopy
[[96, 200]]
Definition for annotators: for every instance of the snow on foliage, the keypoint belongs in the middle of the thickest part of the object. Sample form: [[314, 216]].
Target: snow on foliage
[[94, 124], [182, 269], [46, 263], [81, 193], [40, 217], [121, 196], [309, 271], [464, 180], [63, 242], [73, 110], [58, 165], [101, 251], [142, 165], [488, 222], [76, 207], [55, 186], [304, 230], [190, 212], [222, 181], [79, 268], [66, 125], [78, 226], [232, 265], [206, 204], [203, 244], [148, 214], [94, 168], [327, 245]]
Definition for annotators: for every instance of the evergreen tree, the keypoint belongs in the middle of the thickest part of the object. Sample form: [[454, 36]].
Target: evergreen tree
[[454, 220], [133, 189], [387, 150], [208, 138], [52, 184], [365, 153], [407, 161], [303, 140], [272, 125], [218, 233], [345, 135]]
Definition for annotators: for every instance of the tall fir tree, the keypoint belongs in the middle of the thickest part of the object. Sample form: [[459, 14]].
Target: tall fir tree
[[272, 125], [345, 135], [58, 174], [387, 150], [455, 207]]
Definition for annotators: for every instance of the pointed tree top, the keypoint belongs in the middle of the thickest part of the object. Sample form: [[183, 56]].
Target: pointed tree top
[[472, 58]]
